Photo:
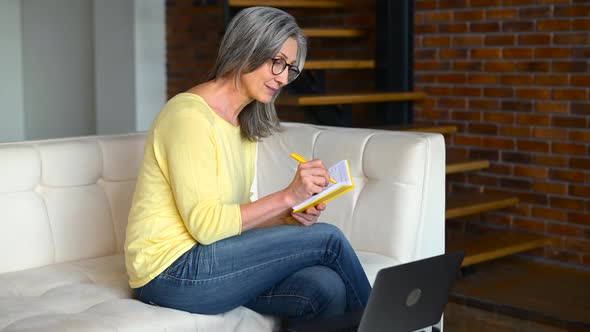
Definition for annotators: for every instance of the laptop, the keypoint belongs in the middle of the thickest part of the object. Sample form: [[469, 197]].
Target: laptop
[[405, 298]]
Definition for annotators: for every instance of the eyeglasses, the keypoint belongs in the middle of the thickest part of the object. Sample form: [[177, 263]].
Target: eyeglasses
[[279, 65]]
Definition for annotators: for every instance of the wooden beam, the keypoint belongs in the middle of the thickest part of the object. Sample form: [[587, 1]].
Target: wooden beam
[[458, 165], [287, 3], [494, 244], [352, 98], [339, 64], [463, 204], [334, 32]]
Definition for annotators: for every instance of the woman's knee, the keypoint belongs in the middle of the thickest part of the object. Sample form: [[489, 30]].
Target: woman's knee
[[324, 290]]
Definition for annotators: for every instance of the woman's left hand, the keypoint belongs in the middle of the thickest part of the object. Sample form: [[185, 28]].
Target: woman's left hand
[[309, 216]]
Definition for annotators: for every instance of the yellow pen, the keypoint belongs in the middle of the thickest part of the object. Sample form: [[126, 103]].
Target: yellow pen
[[302, 160]]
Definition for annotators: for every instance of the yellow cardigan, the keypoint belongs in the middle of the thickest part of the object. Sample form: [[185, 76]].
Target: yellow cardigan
[[196, 172]]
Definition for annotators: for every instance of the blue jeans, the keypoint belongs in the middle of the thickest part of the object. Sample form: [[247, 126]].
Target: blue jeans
[[298, 273]]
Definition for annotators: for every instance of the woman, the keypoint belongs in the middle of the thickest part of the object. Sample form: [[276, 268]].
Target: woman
[[194, 240]]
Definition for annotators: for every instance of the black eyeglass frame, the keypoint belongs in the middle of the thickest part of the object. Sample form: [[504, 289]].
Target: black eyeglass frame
[[293, 70]]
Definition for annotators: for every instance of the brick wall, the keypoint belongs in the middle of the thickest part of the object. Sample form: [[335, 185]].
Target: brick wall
[[514, 76]]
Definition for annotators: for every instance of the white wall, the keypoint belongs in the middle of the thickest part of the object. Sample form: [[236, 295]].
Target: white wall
[[12, 125], [78, 67], [58, 68]]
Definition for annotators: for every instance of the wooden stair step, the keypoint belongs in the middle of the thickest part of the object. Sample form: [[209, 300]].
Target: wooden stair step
[[464, 165], [334, 32], [287, 3], [350, 98], [440, 129], [339, 64], [463, 204], [494, 244]]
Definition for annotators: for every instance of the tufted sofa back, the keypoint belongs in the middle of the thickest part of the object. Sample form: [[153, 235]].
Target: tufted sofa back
[[68, 199], [65, 199], [399, 184]]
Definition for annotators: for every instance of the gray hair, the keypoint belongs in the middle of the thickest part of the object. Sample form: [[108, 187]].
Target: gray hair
[[254, 36]]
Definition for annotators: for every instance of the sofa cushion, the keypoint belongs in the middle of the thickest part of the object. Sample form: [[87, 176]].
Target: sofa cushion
[[93, 295]]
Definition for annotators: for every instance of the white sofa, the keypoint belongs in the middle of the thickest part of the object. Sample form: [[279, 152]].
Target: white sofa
[[64, 206]]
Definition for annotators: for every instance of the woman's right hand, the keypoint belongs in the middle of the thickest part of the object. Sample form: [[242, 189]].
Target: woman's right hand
[[311, 177]]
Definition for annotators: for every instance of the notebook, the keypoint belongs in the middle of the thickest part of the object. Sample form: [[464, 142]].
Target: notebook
[[405, 298]]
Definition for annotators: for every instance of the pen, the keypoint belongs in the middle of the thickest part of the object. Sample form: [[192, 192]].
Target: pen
[[302, 160]]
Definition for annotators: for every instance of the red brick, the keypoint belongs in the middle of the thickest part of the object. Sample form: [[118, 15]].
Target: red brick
[[552, 53], [517, 79], [436, 41], [542, 79], [467, 140], [433, 17], [533, 93], [568, 148], [564, 255], [551, 107], [550, 160], [569, 11], [466, 115], [451, 78], [577, 38], [529, 224], [569, 121], [464, 91], [500, 40], [484, 104], [431, 65], [583, 163], [461, 41], [453, 28], [482, 79], [444, 4], [580, 136], [500, 169], [500, 117], [533, 172], [422, 54], [485, 3], [499, 92], [484, 27], [533, 119], [517, 53], [516, 157], [425, 5], [515, 131], [550, 187], [567, 175], [438, 90], [581, 52], [452, 103], [579, 218], [570, 66], [567, 203], [467, 66], [516, 184], [425, 28], [501, 13], [469, 15], [580, 80], [551, 133], [535, 39], [570, 94], [553, 25], [519, 106], [534, 146], [533, 66], [553, 214], [518, 26], [499, 66], [580, 108], [498, 143], [453, 54], [485, 53], [481, 128], [582, 24], [534, 12], [559, 228], [581, 191]]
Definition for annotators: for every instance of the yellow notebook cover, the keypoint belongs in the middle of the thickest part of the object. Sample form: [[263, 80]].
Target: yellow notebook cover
[[344, 183]]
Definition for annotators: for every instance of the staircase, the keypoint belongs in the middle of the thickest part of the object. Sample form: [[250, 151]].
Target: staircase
[[480, 246]]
